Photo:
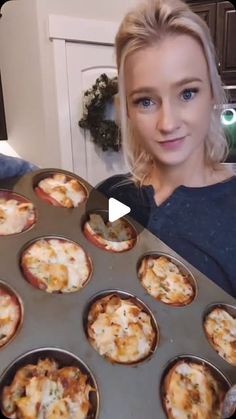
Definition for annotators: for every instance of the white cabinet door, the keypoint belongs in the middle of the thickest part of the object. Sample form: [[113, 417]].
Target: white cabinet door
[[86, 62]]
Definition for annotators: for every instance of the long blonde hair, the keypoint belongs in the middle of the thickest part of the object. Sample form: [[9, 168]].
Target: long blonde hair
[[144, 26]]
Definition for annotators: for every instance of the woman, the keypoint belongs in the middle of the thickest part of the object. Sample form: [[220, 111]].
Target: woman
[[170, 94]]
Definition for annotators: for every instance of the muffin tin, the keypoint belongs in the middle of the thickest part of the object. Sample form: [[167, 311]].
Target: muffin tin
[[17, 201], [123, 296], [7, 290], [104, 244], [196, 361], [63, 359], [66, 248], [181, 268], [56, 321], [59, 184], [231, 310]]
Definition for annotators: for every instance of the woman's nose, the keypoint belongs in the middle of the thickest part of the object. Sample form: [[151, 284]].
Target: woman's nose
[[168, 120]]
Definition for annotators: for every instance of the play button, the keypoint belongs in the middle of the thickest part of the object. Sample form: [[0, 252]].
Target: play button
[[116, 209], [110, 209]]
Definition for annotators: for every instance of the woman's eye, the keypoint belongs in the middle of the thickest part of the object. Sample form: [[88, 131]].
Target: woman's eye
[[144, 102], [189, 94]]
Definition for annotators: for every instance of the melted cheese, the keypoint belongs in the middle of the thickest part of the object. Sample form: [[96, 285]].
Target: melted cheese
[[69, 193], [14, 216], [58, 264], [192, 392], [48, 394], [220, 327], [120, 330], [164, 281], [9, 316], [116, 236]]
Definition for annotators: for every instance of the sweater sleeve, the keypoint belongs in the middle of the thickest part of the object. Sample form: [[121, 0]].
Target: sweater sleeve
[[113, 185], [14, 166]]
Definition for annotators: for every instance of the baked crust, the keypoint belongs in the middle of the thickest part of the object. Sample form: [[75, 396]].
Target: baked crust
[[56, 265], [220, 328], [162, 279], [192, 392], [16, 213], [61, 191], [10, 315], [118, 236], [120, 330], [45, 390]]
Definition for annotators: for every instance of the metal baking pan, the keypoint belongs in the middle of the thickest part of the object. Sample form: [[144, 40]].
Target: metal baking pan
[[57, 320]]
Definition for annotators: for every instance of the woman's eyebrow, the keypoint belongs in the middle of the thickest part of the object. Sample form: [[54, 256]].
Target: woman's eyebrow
[[143, 89], [181, 82], [187, 80]]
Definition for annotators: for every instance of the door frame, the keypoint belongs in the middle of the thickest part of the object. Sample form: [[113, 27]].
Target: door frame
[[63, 29]]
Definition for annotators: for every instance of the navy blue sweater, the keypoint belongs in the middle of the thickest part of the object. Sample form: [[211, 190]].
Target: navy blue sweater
[[13, 166], [197, 223]]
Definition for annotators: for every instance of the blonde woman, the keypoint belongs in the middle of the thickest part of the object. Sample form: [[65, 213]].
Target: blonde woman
[[170, 94]]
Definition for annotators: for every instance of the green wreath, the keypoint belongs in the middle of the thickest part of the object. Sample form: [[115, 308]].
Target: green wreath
[[105, 132]]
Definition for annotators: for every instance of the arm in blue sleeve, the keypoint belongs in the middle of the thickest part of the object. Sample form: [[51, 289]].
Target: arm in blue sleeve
[[14, 166]]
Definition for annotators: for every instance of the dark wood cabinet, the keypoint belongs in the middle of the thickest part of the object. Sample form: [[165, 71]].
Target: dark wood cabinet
[[3, 129], [207, 11], [226, 41], [220, 16]]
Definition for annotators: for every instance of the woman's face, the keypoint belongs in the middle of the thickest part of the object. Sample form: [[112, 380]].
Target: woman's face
[[169, 99]]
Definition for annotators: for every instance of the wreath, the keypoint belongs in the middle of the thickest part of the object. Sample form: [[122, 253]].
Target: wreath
[[97, 99]]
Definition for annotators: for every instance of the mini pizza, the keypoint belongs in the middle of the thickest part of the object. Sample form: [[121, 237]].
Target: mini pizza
[[116, 236], [46, 391], [61, 191], [10, 315], [163, 279], [192, 392], [16, 213], [56, 265], [120, 330], [220, 328]]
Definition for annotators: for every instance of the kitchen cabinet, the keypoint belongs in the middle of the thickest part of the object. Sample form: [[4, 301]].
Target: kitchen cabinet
[[207, 11], [220, 16], [225, 40]]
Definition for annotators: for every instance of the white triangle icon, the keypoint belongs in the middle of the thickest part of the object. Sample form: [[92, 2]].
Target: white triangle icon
[[116, 209]]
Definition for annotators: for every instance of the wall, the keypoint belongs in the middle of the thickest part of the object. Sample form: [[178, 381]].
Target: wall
[[21, 77], [28, 70]]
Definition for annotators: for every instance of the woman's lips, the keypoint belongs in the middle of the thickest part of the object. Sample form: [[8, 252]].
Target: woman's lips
[[172, 144]]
